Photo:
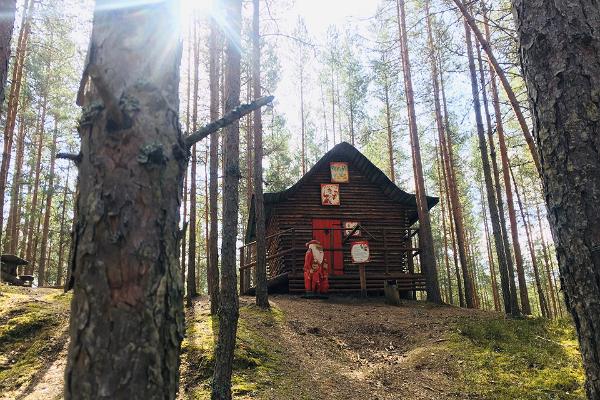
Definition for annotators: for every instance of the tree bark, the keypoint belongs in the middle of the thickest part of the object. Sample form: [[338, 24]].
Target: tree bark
[[559, 46], [428, 264], [536, 274], [229, 303], [390, 138], [262, 295], [14, 214], [61, 241], [488, 243], [30, 252], [13, 101], [507, 292], [507, 185], [191, 264], [213, 190], [46, 227], [453, 200], [547, 264], [127, 318]]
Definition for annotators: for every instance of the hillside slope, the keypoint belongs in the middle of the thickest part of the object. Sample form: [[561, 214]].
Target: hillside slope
[[339, 348]]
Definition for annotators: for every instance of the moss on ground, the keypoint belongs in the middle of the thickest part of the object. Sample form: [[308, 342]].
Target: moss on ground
[[32, 330], [531, 358], [256, 358]]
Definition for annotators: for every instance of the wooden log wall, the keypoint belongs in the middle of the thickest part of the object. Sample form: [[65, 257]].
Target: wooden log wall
[[362, 201]]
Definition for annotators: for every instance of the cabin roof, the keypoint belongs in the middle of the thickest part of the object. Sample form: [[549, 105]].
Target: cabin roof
[[350, 153]]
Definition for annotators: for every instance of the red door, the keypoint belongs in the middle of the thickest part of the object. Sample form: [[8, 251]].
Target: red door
[[329, 233]]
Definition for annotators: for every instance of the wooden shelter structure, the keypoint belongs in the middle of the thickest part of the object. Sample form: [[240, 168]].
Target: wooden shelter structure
[[362, 219], [9, 267]]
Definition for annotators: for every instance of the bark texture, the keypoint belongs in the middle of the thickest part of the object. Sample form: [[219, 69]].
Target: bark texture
[[262, 295], [559, 46], [229, 303], [127, 318], [428, 262], [213, 190]]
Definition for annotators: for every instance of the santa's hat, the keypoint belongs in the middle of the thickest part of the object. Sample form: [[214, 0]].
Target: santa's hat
[[314, 241]]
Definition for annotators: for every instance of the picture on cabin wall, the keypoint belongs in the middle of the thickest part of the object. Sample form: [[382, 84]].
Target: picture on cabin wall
[[330, 194], [339, 172], [360, 252], [349, 226]]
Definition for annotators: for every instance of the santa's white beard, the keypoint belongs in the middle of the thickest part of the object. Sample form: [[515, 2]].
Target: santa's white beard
[[317, 252]]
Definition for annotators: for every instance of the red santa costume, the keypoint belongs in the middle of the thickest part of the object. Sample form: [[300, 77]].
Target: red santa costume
[[316, 271]]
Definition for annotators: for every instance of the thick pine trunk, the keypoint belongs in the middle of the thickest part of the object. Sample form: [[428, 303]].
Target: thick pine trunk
[[490, 254], [428, 264], [559, 45], [213, 190], [229, 302], [127, 318], [262, 296]]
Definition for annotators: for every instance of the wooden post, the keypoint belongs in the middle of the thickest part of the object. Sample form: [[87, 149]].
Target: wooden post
[[242, 272], [385, 251], [363, 280], [293, 251]]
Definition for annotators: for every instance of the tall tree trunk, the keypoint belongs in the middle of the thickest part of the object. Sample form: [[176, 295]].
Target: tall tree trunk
[[262, 296], [505, 83], [127, 318], [508, 294], [191, 275], [428, 264], [490, 253], [30, 253], [559, 45], [213, 253], [547, 265], [249, 140], [14, 214], [455, 207], [390, 138], [441, 180], [302, 122], [507, 185], [13, 102], [8, 9], [229, 303], [61, 244], [46, 227], [538, 282]]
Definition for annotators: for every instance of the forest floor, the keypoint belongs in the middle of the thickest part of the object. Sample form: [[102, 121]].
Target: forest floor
[[338, 349]]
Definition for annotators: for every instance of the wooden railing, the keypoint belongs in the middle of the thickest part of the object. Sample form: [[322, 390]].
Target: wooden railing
[[286, 248]]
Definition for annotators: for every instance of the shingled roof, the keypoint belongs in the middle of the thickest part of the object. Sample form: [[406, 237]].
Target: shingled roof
[[347, 152]]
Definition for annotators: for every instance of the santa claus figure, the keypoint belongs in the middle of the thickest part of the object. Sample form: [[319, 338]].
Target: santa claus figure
[[316, 271]]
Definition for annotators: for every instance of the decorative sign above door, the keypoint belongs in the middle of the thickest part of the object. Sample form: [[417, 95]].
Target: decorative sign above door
[[330, 194], [339, 172], [349, 227]]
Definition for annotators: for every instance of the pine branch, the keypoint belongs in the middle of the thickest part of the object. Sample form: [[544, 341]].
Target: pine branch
[[229, 118], [76, 158]]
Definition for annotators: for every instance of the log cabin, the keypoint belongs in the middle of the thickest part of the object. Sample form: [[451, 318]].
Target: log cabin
[[363, 220]]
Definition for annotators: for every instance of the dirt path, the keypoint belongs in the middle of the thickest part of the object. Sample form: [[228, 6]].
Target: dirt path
[[364, 349]]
